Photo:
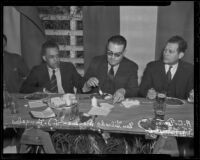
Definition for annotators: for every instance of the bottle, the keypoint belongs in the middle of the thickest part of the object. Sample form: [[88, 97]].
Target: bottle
[[13, 107], [6, 97]]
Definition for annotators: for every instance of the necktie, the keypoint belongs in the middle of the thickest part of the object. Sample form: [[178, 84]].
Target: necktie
[[169, 75], [111, 73], [53, 83]]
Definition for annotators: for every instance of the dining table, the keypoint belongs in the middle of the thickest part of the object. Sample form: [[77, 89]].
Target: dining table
[[120, 119]]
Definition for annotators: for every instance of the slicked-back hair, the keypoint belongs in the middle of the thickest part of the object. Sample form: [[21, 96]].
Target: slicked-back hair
[[182, 44], [48, 44], [118, 39]]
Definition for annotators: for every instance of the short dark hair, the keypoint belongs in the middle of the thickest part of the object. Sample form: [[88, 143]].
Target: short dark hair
[[4, 37], [118, 39], [48, 44], [182, 44]]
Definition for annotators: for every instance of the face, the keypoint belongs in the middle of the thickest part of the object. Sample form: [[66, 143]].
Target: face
[[171, 54], [51, 57], [115, 53]]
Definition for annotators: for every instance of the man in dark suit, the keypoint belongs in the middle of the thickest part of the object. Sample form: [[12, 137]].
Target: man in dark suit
[[113, 73], [52, 75], [171, 75], [14, 69], [174, 77]]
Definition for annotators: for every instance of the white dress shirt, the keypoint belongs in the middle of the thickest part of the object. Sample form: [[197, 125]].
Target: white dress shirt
[[173, 69], [58, 78]]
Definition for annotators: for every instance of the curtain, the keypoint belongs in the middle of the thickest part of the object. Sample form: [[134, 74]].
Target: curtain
[[99, 23], [11, 29], [176, 19]]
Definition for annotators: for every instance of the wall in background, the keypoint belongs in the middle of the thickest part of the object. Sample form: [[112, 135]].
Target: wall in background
[[138, 25]]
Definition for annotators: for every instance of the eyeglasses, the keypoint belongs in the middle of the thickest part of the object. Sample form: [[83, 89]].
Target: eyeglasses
[[117, 54]]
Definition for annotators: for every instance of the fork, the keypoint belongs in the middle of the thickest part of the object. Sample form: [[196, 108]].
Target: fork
[[100, 91]]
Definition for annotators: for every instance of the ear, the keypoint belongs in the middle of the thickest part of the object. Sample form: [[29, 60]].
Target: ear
[[124, 52], [180, 55], [44, 58]]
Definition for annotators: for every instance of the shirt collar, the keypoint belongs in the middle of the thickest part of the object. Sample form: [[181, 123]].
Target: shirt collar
[[51, 70], [173, 66]]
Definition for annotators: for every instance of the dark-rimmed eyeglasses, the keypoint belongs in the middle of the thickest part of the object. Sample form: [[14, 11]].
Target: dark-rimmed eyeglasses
[[117, 54]]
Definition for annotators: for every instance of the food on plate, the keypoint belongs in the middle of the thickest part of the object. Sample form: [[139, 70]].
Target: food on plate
[[36, 96], [63, 101], [152, 124]]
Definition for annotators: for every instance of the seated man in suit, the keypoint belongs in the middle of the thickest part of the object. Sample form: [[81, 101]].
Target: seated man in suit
[[170, 75], [112, 72], [52, 75], [14, 69]]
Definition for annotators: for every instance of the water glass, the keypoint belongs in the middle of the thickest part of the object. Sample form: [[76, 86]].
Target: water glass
[[160, 106], [74, 112]]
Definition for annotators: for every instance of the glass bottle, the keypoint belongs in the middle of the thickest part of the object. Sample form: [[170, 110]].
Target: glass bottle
[[6, 97]]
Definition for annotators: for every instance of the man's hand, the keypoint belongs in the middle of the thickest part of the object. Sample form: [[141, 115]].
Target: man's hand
[[92, 82], [119, 95], [46, 91], [151, 94]]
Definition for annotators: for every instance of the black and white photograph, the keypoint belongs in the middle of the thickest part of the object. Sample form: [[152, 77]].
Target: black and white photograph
[[99, 80]]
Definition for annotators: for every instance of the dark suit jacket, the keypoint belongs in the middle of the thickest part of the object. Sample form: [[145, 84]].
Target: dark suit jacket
[[125, 77], [14, 71], [155, 77], [39, 78]]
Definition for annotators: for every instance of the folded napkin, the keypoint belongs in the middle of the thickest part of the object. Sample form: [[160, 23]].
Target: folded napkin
[[47, 113], [36, 104], [99, 111], [129, 103]]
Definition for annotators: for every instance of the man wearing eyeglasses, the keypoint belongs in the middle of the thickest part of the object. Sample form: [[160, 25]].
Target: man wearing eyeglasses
[[52, 75], [113, 73]]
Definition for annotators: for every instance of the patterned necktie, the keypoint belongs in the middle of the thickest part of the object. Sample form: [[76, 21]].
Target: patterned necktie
[[111, 73], [53, 83], [169, 74]]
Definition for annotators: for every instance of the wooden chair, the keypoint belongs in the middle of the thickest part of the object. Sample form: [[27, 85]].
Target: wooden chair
[[166, 146], [36, 137]]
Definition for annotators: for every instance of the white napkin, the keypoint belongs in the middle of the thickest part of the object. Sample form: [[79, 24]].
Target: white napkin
[[130, 103], [106, 106], [36, 104], [47, 113], [99, 111]]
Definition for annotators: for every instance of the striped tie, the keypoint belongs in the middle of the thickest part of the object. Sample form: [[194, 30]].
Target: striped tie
[[53, 83]]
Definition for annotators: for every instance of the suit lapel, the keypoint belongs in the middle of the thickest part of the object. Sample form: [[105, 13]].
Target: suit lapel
[[163, 77], [163, 73], [177, 75], [103, 69], [46, 73], [120, 69], [62, 73]]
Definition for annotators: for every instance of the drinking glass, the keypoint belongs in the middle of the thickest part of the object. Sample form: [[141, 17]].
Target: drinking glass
[[160, 106], [74, 109]]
